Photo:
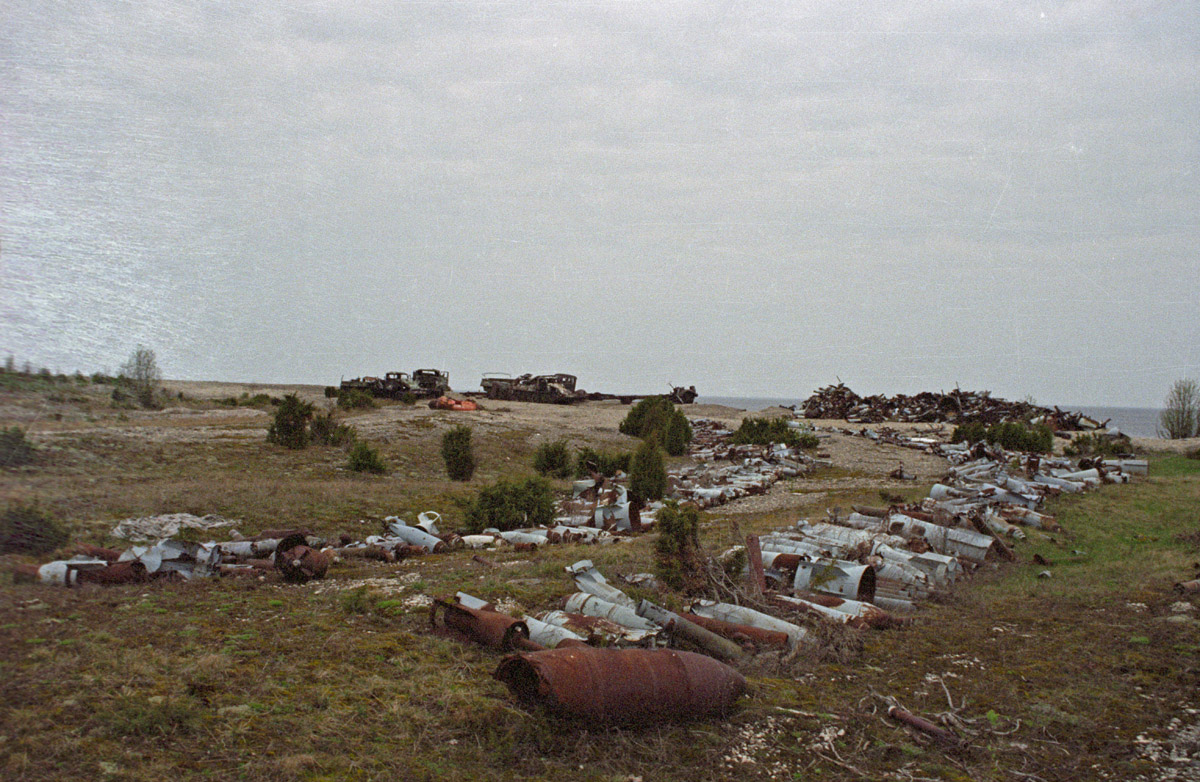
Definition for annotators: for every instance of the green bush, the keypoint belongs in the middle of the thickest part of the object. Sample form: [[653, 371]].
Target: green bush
[[15, 450], [456, 453], [26, 529], [764, 431], [364, 458], [355, 399], [1014, 436], [290, 427], [553, 459], [1096, 444], [970, 433], [608, 464], [656, 417], [647, 473], [1010, 435], [678, 558], [509, 505], [325, 430]]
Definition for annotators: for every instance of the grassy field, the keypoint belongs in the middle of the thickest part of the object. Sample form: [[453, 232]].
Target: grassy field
[[1043, 678]]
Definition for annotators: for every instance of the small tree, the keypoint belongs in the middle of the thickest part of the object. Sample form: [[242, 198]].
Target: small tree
[[141, 373], [290, 427], [656, 417], [647, 473], [456, 453], [678, 558], [1180, 417]]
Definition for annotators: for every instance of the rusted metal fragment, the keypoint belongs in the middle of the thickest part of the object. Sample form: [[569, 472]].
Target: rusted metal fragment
[[298, 562], [97, 552], [366, 552], [679, 627], [758, 579], [595, 629], [921, 724], [755, 636], [131, 572], [551, 636], [623, 686], [487, 628]]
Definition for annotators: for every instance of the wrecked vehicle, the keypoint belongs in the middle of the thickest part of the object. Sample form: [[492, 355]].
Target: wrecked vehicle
[[556, 389], [431, 383], [424, 383]]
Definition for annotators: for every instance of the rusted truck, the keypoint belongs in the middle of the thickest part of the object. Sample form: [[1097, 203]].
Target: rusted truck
[[423, 384], [431, 383], [556, 389]]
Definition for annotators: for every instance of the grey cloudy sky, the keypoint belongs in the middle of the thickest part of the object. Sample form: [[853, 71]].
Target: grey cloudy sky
[[751, 197]]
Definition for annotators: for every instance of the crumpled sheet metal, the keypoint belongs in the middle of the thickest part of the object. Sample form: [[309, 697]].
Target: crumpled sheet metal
[[597, 630], [836, 577], [623, 686], [165, 526]]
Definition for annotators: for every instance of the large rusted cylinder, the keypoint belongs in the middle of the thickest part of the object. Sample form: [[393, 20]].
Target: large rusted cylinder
[[297, 562], [487, 628], [623, 686]]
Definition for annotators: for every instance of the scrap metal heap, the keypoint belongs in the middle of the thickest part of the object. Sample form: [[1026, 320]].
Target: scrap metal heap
[[838, 401]]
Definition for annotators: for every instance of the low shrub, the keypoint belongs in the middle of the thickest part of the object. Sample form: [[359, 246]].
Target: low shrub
[[764, 431], [509, 505], [355, 399], [678, 558], [1010, 435], [553, 459], [457, 454], [325, 430], [364, 458], [647, 473], [15, 450], [1095, 444], [606, 463], [973, 432], [290, 426], [26, 529], [656, 417]]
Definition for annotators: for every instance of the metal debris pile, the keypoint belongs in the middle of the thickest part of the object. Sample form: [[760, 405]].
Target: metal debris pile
[[632, 679], [957, 406], [894, 557], [295, 555], [752, 469]]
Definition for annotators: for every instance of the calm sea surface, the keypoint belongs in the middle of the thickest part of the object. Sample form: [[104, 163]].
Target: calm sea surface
[[1133, 421]]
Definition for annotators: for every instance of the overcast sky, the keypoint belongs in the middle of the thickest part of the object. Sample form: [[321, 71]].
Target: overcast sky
[[755, 198]]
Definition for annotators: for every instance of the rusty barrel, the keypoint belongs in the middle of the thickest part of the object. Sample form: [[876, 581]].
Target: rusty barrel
[[623, 686], [487, 628], [297, 562]]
